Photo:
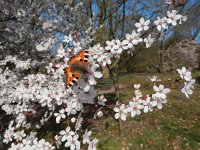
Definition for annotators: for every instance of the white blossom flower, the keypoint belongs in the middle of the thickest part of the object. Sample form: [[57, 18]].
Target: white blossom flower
[[101, 100], [168, 2], [142, 25], [110, 45], [66, 134], [98, 114], [58, 73], [149, 40], [120, 46], [61, 53], [42, 46], [93, 73], [67, 38], [183, 18], [20, 119], [45, 97], [137, 99], [138, 93], [78, 123], [158, 100], [133, 39], [31, 136], [148, 104], [173, 17], [185, 74], [42, 144], [19, 135], [161, 90], [77, 47], [160, 95], [104, 59], [154, 78], [73, 119], [76, 104], [8, 135], [86, 136], [129, 38], [69, 110], [161, 23], [121, 112], [14, 147], [58, 140], [134, 108], [60, 115], [97, 51], [136, 86], [188, 88], [50, 68], [73, 143], [93, 144]]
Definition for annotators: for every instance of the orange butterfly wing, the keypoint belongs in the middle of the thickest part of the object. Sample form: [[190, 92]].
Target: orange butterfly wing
[[81, 58], [73, 76]]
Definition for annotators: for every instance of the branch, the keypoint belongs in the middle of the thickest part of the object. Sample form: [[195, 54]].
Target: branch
[[106, 17]]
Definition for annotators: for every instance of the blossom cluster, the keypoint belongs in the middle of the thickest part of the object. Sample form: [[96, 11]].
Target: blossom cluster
[[20, 64], [49, 91], [140, 102], [30, 142], [71, 139], [24, 141], [115, 48], [157, 99], [188, 81]]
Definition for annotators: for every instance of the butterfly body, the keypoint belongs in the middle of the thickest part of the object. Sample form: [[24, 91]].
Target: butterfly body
[[77, 66]]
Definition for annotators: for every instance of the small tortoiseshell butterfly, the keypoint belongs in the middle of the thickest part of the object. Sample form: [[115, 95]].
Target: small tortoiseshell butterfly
[[77, 65]]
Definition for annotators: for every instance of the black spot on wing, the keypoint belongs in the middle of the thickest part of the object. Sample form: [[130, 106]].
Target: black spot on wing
[[73, 81]]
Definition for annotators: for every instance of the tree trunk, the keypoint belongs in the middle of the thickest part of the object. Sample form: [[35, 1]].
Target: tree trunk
[[117, 93]]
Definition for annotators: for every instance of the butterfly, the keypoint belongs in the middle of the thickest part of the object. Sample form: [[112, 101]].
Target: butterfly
[[77, 64]]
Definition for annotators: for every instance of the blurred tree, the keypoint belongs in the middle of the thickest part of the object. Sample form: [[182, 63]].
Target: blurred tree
[[182, 53]]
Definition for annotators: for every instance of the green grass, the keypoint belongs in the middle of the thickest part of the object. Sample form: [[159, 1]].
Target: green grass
[[176, 126]]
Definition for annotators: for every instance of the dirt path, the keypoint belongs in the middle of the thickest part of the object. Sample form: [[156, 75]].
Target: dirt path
[[109, 89]]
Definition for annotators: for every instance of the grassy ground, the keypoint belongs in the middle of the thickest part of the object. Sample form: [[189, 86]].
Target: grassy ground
[[175, 127]]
